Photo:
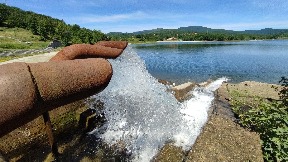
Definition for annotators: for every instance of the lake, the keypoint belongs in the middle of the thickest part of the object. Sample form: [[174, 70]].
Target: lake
[[179, 62]]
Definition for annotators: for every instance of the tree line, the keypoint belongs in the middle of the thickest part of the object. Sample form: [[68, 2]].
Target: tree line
[[48, 28], [198, 34]]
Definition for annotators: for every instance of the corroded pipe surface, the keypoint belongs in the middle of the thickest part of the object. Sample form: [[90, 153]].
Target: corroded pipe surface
[[109, 49], [113, 44], [17, 93], [28, 90]]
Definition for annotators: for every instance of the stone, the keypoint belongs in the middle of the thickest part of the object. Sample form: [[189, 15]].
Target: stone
[[181, 91]]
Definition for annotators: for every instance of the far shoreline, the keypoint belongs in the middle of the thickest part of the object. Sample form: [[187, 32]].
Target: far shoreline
[[187, 41], [196, 41]]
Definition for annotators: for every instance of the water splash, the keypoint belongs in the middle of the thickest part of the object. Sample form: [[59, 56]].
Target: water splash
[[142, 114]]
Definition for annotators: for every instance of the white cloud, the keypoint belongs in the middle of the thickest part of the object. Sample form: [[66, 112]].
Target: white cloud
[[228, 26], [271, 4], [111, 18], [77, 3], [250, 25]]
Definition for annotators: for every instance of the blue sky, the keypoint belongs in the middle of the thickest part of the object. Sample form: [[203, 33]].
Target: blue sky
[[137, 15]]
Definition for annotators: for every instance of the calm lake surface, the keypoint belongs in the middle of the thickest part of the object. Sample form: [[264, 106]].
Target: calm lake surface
[[179, 62]]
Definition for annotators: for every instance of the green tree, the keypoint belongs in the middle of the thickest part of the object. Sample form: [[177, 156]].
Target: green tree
[[4, 14], [47, 27]]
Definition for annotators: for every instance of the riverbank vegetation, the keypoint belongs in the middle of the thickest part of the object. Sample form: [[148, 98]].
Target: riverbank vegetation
[[269, 118]]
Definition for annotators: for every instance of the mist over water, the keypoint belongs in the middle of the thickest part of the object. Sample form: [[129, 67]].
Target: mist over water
[[141, 112]]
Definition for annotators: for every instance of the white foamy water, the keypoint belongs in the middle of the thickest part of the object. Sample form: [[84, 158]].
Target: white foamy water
[[141, 113]]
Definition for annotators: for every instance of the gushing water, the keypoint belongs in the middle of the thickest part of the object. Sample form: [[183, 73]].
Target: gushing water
[[142, 114]]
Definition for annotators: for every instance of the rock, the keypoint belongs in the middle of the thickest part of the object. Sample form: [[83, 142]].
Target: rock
[[203, 84], [170, 153], [181, 91], [165, 82]]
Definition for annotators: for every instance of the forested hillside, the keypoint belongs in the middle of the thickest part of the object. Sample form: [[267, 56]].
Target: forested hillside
[[46, 27]]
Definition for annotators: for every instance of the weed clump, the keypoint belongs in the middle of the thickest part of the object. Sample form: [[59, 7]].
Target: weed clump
[[269, 118]]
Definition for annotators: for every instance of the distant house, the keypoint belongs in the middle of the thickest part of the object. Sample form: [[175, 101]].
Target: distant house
[[172, 39], [55, 44]]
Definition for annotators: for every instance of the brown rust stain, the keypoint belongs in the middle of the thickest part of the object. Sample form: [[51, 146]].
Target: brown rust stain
[[113, 44], [80, 51], [71, 80]]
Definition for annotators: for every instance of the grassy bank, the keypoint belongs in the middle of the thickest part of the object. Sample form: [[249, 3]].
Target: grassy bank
[[18, 38]]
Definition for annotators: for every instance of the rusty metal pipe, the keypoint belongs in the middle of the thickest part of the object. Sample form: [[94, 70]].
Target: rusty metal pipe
[[29, 90], [72, 52], [103, 49], [113, 44]]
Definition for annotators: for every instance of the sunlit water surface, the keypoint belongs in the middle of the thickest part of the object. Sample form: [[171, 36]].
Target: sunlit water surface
[[141, 112], [179, 62]]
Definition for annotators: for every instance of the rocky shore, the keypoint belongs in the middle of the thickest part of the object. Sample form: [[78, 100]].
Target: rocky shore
[[26, 51], [222, 139]]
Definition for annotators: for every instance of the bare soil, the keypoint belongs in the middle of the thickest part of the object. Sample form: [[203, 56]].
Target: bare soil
[[224, 140]]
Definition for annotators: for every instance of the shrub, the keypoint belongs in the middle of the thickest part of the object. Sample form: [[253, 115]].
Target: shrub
[[269, 119], [13, 46]]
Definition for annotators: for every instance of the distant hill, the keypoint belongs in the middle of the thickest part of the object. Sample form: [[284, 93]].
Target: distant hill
[[201, 29], [266, 31], [198, 33]]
